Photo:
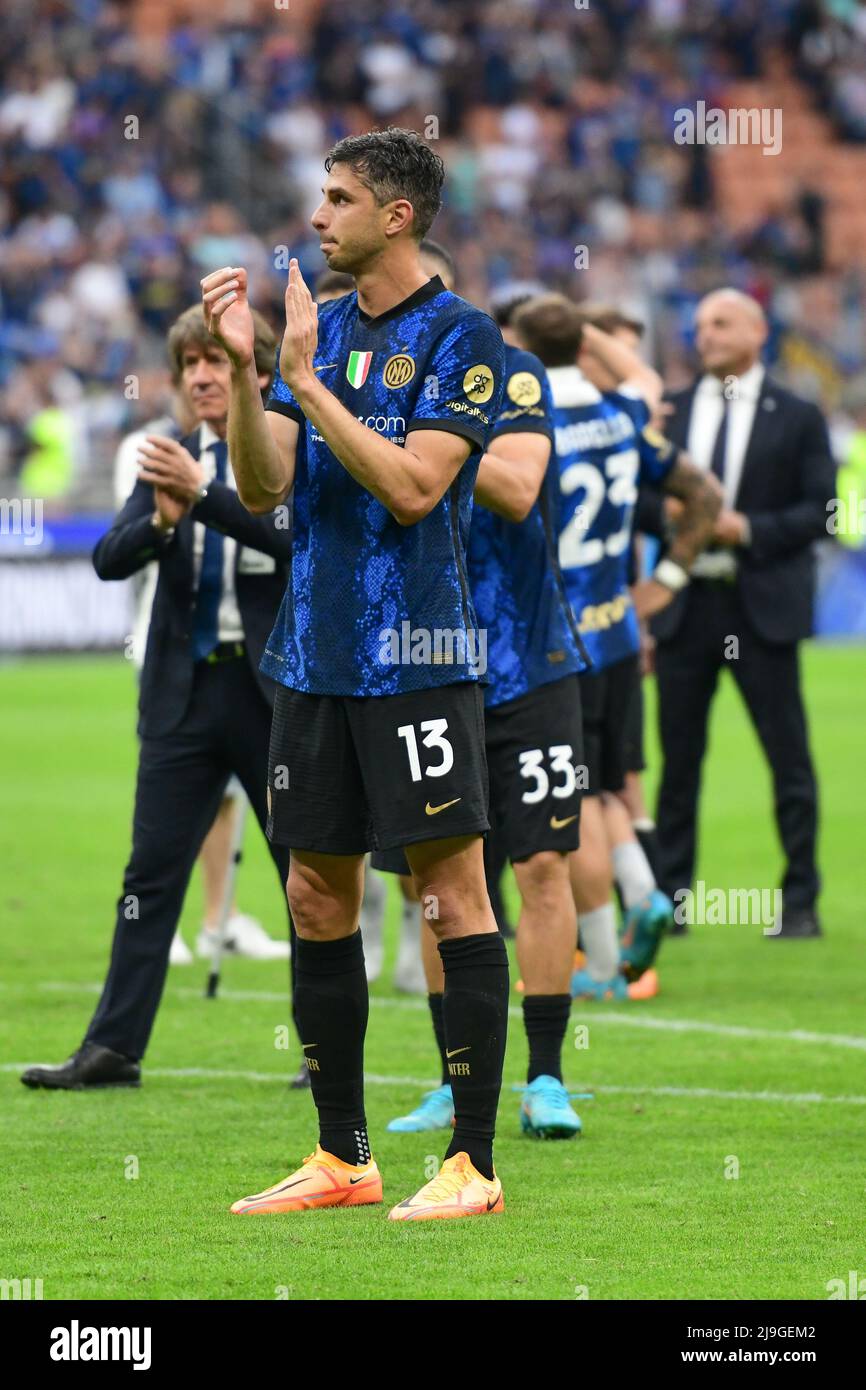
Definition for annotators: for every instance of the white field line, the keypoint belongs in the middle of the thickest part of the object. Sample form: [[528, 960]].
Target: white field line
[[613, 1018], [372, 1079]]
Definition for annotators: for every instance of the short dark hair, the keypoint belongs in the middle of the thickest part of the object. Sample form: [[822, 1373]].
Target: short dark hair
[[188, 330], [507, 299], [429, 247], [333, 282], [395, 163], [550, 326], [609, 319]]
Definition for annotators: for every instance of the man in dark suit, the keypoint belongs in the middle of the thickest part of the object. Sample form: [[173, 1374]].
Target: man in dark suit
[[205, 708], [750, 599]]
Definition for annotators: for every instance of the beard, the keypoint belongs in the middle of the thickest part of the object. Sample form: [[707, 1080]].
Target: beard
[[350, 258]]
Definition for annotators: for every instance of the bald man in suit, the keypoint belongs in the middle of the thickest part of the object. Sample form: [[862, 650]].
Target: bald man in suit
[[771, 452]]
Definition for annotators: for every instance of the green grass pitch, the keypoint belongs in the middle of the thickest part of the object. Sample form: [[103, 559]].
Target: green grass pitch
[[753, 1058]]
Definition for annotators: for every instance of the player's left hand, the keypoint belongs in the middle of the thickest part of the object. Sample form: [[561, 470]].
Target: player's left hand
[[169, 466], [650, 597], [302, 329], [730, 528]]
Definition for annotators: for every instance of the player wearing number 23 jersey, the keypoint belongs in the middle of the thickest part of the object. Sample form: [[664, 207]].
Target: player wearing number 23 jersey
[[604, 448]]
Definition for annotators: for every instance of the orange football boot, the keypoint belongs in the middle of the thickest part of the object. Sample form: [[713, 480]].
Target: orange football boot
[[458, 1189], [322, 1181], [646, 986]]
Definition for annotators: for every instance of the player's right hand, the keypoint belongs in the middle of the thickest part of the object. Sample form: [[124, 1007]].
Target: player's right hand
[[227, 313]]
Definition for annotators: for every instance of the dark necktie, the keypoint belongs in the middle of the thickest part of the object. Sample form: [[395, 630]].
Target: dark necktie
[[205, 630], [717, 458]]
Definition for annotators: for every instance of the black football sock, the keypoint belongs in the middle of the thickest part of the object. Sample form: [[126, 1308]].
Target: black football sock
[[331, 1007], [545, 1017], [648, 840], [475, 1014], [435, 1002]]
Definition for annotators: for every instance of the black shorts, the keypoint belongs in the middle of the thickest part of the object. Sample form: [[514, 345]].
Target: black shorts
[[347, 774], [605, 696], [534, 754], [633, 736]]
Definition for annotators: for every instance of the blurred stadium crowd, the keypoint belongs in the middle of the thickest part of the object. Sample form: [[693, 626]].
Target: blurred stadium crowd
[[143, 144]]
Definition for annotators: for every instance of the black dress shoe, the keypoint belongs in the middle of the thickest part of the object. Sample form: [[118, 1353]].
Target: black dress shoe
[[301, 1080], [797, 923], [90, 1068]]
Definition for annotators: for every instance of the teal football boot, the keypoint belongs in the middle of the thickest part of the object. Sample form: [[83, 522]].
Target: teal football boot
[[436, 1111], [643, 930], [583, 986], [546, 1112]]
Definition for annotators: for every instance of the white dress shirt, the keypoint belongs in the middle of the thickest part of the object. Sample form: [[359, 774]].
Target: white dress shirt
[[230, 626], [126, 468], [708, 407]]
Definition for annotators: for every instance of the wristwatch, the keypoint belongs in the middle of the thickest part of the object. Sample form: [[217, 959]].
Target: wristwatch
[[671, 575], [166, 531], [200, 494]]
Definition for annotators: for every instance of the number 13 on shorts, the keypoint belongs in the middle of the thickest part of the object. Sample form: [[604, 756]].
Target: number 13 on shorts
[[434, 738]]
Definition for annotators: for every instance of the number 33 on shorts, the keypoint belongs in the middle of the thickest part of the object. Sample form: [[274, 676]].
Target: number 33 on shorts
[[532, 766]]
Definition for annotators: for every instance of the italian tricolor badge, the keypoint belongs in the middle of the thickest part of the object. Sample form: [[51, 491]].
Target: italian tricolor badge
[[357, 368]]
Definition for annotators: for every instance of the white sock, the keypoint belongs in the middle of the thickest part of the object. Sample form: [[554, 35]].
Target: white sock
[[409, 970], [409, 950], [599, 942], [374, 901], [632, 872]]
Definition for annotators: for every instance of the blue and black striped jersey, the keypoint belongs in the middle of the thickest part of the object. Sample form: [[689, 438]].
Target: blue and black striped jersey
[[367, 596], [513, 568]]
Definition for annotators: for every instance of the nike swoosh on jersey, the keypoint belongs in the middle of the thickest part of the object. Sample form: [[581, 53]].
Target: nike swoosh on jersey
[[327, 368], [434, 810], [561, 824]]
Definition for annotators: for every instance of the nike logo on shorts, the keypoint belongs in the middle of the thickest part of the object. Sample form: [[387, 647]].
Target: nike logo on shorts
[[434, 810], [556, 824]]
